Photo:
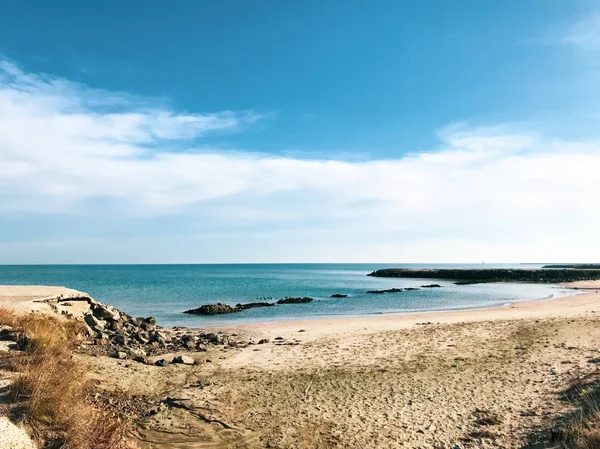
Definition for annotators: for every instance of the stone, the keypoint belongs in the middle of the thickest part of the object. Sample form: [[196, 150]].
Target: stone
[[120, 355], [302, 300], [214, 309], [339, 295], [104, 312], [253, 305], [161, 362], [150, 320], [120, 340], [139, 355], [262, 341], [183, 359], [93, 322]]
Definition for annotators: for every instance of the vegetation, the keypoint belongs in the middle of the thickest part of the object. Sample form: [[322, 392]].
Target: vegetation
[[53, 388]]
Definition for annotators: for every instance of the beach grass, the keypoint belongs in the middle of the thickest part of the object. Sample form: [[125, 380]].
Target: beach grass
[[53, 386]]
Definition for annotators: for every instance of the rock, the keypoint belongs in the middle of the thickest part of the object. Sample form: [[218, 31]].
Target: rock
[[120, 340], [93, 322], [389, 290], [184, 359], [115, 326], [161, 362], [8, 333], [262, 341], [298, 300], [139, 355], [253, 305], [431, 286], [213, 309], [120, 355], [150, 320], [339, 295], [104, 312]]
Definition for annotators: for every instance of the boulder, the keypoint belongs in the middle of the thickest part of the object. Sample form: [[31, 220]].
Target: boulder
[[183, 359], [120, 355], [298, 300], [252, 305], [93, 322], [262, 341], [339, 295], [161, 362], [104, 312], [139, 355], [213, 309]]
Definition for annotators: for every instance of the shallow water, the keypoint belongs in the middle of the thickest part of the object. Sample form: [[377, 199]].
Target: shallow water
[[165, 291]]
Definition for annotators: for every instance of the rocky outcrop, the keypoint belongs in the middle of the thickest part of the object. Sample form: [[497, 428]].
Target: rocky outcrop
[[339, 295], [253, 305], [299, 300], [214, 309], [431, 286], [391, 290]]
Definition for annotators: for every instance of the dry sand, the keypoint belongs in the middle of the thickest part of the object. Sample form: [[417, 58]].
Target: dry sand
[[485, 378]]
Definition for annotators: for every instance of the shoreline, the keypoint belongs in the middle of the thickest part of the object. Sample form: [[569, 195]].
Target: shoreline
[[586, 301], [432, 379]]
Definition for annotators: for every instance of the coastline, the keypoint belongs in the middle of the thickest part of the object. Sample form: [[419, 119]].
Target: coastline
[[584, 302], [493, 377]]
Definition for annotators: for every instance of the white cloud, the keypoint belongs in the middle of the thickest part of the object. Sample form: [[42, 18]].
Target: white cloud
[[585, 33], [64, 146]]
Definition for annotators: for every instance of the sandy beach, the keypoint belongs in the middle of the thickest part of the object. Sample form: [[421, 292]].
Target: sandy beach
[[482, 378]]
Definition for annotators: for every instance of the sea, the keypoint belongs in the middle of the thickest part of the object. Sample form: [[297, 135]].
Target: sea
[[166, 291]]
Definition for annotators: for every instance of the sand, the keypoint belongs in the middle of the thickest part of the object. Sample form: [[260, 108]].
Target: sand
[[27, 298], [485, 378]]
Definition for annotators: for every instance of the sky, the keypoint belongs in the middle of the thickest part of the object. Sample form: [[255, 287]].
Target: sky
[[299, 131]]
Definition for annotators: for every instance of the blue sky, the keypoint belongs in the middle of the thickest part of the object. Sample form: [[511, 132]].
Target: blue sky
[[302, 131]]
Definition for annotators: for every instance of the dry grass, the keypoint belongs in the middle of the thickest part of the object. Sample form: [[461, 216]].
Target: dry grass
[[54, 387]]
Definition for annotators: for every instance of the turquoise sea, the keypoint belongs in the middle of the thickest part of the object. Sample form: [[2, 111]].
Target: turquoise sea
[[165, 291]]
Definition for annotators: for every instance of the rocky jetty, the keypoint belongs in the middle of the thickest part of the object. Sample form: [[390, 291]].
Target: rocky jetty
[[578, 266], [302, 300], [480, 275], [339, 295]]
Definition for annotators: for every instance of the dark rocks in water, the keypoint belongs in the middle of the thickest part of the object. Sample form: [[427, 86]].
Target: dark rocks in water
[[431, 286], [578, 266], [389, 290], [213, 309], [465, 276], [302, 300], [410, 289], [252, 305], [339, 295]]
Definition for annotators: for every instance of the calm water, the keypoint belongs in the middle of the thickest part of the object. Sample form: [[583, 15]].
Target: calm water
[[165, 291]]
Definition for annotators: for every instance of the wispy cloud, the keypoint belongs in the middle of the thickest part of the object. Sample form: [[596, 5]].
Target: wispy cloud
[[65, 147], [585, 33]]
